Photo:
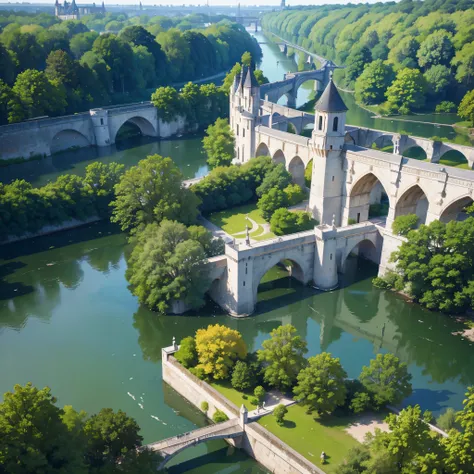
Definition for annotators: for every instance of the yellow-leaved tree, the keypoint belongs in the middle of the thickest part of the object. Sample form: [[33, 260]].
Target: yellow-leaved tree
[[218, 348]]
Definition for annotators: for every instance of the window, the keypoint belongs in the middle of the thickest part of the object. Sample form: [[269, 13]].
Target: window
[[320, 125], [333, 179], [237, 130], [102, 121], [335, 123], [358, 217], [243, 132]]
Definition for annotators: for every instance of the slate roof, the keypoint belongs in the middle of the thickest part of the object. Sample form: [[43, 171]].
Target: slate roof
[[250, 80], [330, 100]]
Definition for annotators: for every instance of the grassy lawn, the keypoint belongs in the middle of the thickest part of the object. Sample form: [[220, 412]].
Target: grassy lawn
[[268, 235], [309, 436], [233, 220], [303, 432], [454, 158]]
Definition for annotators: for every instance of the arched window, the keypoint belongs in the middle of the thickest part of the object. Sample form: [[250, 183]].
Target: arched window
[[335, 123], [320, 125]]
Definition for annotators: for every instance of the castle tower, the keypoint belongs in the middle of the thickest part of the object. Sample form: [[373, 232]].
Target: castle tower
[[56, 8], [327, 148], [244, 107], [283, 4]]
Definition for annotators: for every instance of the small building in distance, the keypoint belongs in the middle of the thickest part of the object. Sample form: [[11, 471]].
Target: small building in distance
[[71, 11]]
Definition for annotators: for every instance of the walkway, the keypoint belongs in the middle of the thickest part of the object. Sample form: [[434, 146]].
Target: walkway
[[272, 400]]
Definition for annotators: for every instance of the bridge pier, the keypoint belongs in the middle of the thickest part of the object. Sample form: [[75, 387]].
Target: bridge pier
[[325, 267]]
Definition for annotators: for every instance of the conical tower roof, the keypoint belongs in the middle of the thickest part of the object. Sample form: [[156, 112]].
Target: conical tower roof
[[250, 79], [330, 100]]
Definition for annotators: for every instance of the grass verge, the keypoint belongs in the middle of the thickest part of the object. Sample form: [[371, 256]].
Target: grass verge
[[233, 220]]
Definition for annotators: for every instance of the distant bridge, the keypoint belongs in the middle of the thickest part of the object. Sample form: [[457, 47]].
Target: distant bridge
[[170, 447]]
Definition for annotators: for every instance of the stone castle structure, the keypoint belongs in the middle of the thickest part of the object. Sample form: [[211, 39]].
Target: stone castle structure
[[72, 11]]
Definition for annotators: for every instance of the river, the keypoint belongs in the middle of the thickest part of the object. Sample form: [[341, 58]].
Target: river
[[68, 320]]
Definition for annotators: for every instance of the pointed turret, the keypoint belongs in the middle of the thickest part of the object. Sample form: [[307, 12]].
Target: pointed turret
[[242, 78], [236, 82], [243, 415], [330, 100], [250, 79]]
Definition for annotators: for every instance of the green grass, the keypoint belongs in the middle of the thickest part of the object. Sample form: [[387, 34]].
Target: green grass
[[465, 124], [309, 436], [236, 397], [268, 235], [454, 158], [233, 220]]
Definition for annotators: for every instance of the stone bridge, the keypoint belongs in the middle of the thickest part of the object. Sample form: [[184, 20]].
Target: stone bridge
[[168, 448], [312, 257], [98, 127]]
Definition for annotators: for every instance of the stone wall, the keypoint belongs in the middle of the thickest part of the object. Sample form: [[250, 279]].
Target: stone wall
[[264, 447]]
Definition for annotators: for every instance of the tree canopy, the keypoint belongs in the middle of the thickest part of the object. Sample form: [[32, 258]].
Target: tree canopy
[[219, 143]]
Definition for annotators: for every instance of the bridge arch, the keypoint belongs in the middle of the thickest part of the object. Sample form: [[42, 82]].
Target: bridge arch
[[452, 157], [366, 248], [68, 138], [383, 143], [145, 126], [367, 194], [413, 201], [297, 168], [415, 152], [279, 158], [454, 211], [263, 150]]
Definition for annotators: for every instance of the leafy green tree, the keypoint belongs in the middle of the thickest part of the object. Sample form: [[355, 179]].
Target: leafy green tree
[[278, 177], [360, 402], [168, 102], [355, 460], [7, 65], [82, 42], [282, 357], [466, 107], [9, 104], [321, 384], [219, 416], [437, 48], [177, 52], [438, 79], [446, 107], [219, 348], [295, 194], [243, 376], [404, 53], [37, 95], [387, 380], [407, 91], [403, 224], [110, 436], [145, 73], [150, 192], [447, 420], [211, 245], [464, 63], [167, 266], [285, 222], [371, 85], [187, 355], [271, 201], [246, 59], [279, 413], [259, 393], [33, 437], [356, 63], [219, 143]]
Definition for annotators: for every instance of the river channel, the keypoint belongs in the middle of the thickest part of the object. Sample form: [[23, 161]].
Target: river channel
[[68, 320]]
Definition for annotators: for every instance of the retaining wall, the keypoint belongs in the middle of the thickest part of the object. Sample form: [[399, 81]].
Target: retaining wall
[[257, 441]]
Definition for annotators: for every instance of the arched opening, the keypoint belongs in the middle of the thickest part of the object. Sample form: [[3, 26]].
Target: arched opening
[[284, 100], [349, 139], [279, 158], [68, 139], [413, 201], [307, 130], [454, 158], [308, 174], [383, 143], [133, 127], [262, 150], [456, 211], [363, 250], [367, 199], [297, 169], [415, 152], [290, 128], [320, 122], [335, 124]]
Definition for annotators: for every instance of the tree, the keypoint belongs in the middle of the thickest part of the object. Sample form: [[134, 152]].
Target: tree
[[357, 61], [150, 192], [321, 384], [219, 416], [447, 420], [278, 177], [246, 59], [82, 42], [33, 437], [7, 65], [187, 355], [403, 54], [466, 107], [355, 460], [403, 224], [271, 201], [167, 266], [464, 62], [259, 393], [436, 49], [219, 143], [279, 413], [211, 245], [9, 104], [285, 222], [407, 91], [219, 348], [168, 102], [387, 380], [438, 79], [371, 85], [110, 435], [243, 376], [282, 357], [295, 194], [37, 95]]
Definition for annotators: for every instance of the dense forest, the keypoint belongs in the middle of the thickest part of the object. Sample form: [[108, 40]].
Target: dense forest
[[407, 56], [52, 67]]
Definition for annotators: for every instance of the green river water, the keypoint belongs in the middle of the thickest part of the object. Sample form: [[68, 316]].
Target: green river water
[[68, 320]]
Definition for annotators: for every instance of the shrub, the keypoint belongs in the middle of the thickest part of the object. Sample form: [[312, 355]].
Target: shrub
[[259, 393], [219, 416], [403, 224], [351, 221], [284, 222], [187, 354], [279, 412], [295, 194], [447, 420], [388, 281], [271, 201], [254, 402], [204, 406]]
